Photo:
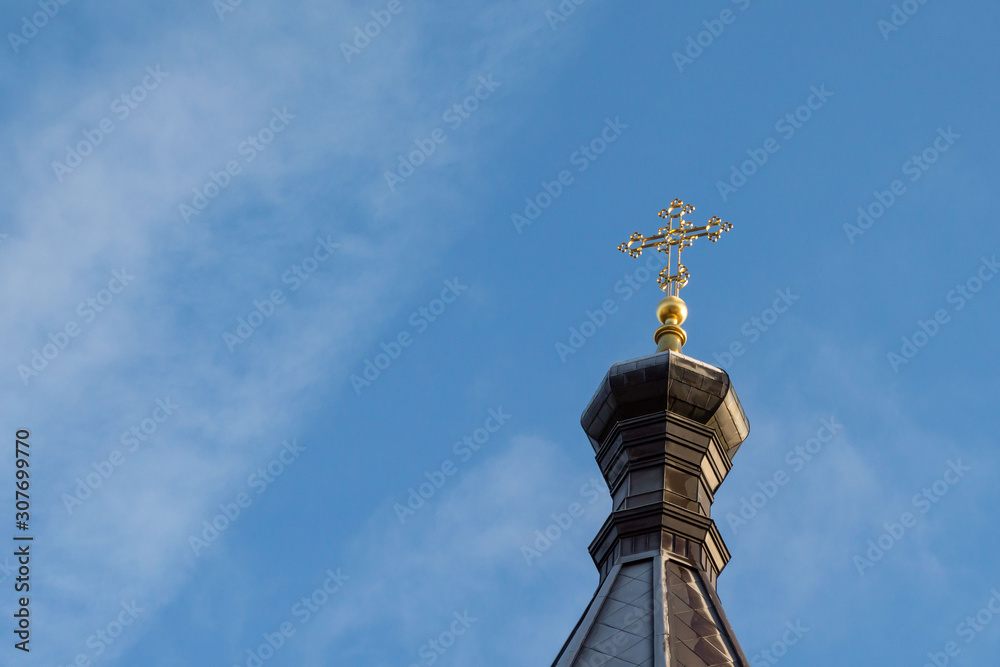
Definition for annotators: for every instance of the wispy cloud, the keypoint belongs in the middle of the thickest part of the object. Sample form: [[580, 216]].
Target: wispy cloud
[[119, 208]]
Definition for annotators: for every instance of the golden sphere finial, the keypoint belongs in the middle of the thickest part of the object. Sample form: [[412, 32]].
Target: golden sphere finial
[[672, 307], [671, 311]]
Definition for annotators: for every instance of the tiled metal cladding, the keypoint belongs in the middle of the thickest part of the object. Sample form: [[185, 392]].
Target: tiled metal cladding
[[622, 633], [698, 637], [638, 616]]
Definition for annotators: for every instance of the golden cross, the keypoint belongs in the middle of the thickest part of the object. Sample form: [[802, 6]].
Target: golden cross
[[677, 235]]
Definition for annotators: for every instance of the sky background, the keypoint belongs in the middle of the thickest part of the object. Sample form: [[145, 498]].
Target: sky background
[[231, 72]]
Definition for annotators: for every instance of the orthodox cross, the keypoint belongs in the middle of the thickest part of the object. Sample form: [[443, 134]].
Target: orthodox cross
[[672, 239]]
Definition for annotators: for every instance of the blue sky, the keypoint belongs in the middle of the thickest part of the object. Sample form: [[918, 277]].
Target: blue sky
[[219, 250]]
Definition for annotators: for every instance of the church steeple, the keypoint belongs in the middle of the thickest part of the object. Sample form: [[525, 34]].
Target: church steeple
[[664, 429]]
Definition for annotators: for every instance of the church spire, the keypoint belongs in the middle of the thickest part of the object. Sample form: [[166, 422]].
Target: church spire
[[664, 429]]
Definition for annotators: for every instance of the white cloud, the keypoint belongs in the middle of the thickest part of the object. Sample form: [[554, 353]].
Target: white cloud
[[163, 334]]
